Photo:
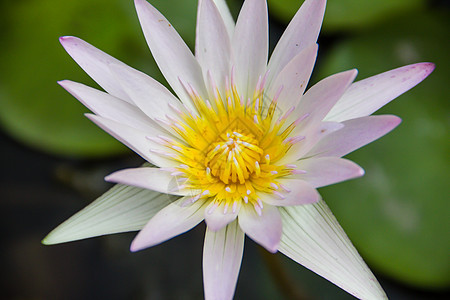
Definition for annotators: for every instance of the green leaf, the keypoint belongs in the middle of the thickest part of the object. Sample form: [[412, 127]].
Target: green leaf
[[348, 14], [33, 108], [397, 215]]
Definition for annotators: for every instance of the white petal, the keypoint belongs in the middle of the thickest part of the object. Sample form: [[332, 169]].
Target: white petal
[[95, 63], [299, 192], [265, 229], [312, 137], [250, 46], [105, 105], [294, 78], [169, 222], [222, 256], [121, 209], [226, 16], [313, 238], [302, 31], [135, 139], [366, 96], [218, 217], [172, 55], [149, 178], [355, 134], [147, 93], [324, 171], [321, 97], [213, 46]]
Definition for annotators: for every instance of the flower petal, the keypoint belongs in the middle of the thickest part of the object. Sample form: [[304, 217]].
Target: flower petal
[[136, 140], [95, 63], [149, 178], [147, 93], [302, 31], [265, 229], [250, 46], [355, 134], [366, 96], [213, 46], [294, 191], [121, 209], [172, 220], [294, 78], [324, 171], [105, 105], [222, 256], [172, 55], [226, 16], [217, 217], [313, 238]]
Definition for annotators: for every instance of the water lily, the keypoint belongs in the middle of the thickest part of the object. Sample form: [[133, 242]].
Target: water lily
[[240, 145]]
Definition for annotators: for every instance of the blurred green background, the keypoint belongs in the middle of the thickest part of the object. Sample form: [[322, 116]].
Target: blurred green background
[[54, 158]]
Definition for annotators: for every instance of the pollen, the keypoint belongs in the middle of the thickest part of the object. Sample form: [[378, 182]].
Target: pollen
[[227, 152]]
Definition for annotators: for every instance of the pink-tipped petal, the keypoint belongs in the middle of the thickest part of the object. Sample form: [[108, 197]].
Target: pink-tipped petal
[[108, 106], [121, 209], [149, 178], [174, 58], [134, 139], [265, 229], [355, 134], [302, 31], [250, 46], [301, 193], [217, 216], [222, 256], [95, 63], [294, 78], [313, 238], [169, 222], [213, 46], [147, 93], [367, 96], [324, 171]]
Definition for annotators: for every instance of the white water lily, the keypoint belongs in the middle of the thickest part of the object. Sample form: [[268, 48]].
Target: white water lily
[[240, 144]]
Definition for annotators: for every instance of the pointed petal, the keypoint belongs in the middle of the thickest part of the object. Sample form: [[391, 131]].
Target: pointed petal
[[95, 63], [226, 16], [213, 46], [147, 93], [324, 171], [294, 78], [298, 192], [135, 140], [105, 105], [367, 96], [149, 178], [313, 238], [265, 229], [321, 97], [355, 134], [218, 217], [302, 31], [250, 46], [121, 209], [172, 220], [222, 256], [174, 58]]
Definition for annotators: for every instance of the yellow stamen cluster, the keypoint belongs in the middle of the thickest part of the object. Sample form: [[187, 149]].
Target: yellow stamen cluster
[[231, 148]]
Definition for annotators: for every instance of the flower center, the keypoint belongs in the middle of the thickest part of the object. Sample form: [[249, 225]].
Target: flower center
[[234, 157]]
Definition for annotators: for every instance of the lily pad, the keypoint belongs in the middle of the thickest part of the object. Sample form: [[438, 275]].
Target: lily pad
[[397, 214], [33, 108], [348, 14]]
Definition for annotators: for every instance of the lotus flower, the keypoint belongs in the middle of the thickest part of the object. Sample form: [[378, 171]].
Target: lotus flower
[[240, 144]]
